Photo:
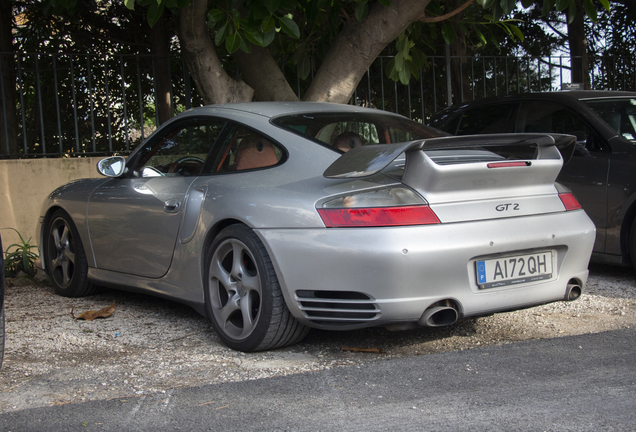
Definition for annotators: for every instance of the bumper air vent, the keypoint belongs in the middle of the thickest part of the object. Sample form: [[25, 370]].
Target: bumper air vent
[[337, 308]]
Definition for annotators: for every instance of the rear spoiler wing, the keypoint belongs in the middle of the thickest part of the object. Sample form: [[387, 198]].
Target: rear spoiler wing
[[371, 159]]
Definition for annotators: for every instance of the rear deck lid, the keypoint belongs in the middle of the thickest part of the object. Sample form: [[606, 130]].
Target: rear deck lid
[[470, 177]]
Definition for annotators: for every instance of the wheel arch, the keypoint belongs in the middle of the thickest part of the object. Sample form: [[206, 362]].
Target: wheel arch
[[44, 222], [283, 328], [211, 235], [217, 228]]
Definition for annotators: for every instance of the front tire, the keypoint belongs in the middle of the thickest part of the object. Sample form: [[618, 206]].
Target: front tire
[[243, 297], [65, 258]]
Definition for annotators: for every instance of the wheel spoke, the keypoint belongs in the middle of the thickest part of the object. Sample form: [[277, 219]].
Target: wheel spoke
[[57, 242], [57, 262], [69, 255], [237, 260], [66, 277], [252, 283], [246, 311], [219, 273], [230, 307], [65, 238]]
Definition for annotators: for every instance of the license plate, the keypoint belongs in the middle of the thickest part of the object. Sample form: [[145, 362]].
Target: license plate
[[513, 270]]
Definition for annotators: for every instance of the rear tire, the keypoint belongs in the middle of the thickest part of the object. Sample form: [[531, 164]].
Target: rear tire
[[632, 242], [243, 298], [66, 261]]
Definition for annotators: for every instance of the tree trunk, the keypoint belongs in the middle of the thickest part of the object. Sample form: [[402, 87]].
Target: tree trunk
[[578, 48], [358, 45], [160, 49], [460, 78], [8, 104], [213, 83], [261, 72]]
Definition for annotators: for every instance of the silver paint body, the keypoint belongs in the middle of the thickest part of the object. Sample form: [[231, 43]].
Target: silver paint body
[[151, 234]]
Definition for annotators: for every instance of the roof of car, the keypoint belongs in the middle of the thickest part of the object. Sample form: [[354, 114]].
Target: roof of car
[[595, 94], [555, 95], [272, 109]]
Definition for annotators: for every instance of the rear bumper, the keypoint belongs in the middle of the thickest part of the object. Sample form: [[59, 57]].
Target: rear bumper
[[361, 277]]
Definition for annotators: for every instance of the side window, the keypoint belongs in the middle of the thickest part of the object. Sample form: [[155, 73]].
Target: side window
[[451, 126], [244, 149], [181, 151], [555, 118], [492, 119]]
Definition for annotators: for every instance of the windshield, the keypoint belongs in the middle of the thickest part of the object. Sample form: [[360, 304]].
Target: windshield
[[618, 113], [344, 131]]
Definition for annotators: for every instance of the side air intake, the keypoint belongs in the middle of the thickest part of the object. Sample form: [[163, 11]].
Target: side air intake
[[337, 308]]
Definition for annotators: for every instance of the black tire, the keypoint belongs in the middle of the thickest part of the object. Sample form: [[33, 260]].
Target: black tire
[[243, 298], [65, 257], [632, 242], [1, 303]]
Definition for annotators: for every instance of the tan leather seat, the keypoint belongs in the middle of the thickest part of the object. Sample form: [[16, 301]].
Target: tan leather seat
[[255, 152], [347, 140]]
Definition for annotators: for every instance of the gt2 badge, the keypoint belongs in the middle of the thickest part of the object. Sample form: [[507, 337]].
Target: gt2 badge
[[506, 207]]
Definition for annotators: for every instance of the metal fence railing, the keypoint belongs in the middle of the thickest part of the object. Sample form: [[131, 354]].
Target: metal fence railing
[[81, 104]]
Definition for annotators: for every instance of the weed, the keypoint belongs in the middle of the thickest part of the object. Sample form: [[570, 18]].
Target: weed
[[21, 258]]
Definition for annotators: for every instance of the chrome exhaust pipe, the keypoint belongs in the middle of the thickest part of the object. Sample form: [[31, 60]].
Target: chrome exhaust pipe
[[573, 291], [437, 316]]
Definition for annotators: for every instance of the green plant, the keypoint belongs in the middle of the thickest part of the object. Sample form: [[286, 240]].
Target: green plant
[[21, 258]]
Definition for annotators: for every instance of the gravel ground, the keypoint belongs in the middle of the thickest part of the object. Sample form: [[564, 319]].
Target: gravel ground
[[149, 345]]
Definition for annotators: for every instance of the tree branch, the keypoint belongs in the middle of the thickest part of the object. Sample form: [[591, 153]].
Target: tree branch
[[554, 29], [444, 17], [357, 46]]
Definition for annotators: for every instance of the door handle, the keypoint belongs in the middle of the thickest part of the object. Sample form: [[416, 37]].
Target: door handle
[[172, 206]]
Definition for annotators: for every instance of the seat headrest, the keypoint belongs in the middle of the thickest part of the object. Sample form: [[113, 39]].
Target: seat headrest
[[255, 152]]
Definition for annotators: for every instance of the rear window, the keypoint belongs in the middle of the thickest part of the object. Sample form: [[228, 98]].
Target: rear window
[[344, 131]]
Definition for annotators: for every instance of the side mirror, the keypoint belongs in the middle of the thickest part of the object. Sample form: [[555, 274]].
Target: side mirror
[[112, 166]]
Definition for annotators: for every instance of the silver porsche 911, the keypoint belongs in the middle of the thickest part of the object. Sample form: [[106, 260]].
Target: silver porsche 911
[[271, 218]]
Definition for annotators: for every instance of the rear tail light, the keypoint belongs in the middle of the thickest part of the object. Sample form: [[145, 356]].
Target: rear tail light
[[378, 216], [569, 201], [509, 164], [386, 206]]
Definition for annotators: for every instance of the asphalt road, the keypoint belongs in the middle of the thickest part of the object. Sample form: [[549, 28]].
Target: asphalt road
[[579, 383]]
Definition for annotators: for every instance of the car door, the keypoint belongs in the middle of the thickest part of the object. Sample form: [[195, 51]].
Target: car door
[[134, 221], [586, 173]]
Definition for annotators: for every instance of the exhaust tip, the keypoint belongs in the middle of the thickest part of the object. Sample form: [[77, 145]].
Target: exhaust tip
[[573, 291], [437, 316]]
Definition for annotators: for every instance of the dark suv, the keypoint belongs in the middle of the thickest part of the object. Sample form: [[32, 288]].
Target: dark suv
[[602, 172]]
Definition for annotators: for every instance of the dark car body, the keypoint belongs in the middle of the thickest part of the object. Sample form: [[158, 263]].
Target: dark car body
[[602, 172]]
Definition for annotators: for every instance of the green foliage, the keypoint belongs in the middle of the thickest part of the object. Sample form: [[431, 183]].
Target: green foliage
[[570, 7], [407, 62], [478, 26], [302, 32], [21, 258], [258, 24]]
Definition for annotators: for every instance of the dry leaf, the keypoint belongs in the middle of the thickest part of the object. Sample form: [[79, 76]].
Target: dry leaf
[[367, 350], [102, 313]]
